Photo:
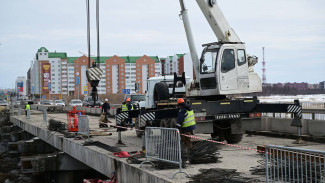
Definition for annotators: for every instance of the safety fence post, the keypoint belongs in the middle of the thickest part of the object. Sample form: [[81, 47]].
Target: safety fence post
[[45, 117], [19, 111], [28, 114]]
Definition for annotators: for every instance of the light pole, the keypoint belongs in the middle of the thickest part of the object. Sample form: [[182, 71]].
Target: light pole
[[33, 89], [49, 89], [78, 82]]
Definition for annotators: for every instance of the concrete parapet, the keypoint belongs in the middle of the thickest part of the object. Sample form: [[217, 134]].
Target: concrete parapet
[[93, 157]]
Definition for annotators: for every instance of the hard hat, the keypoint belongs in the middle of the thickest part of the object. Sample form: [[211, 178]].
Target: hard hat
[[128, 99], [106, 100], [180, 100]]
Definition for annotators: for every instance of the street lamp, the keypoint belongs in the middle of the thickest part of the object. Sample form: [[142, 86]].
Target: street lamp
[[78, 82], [49, 89], [33, 90]]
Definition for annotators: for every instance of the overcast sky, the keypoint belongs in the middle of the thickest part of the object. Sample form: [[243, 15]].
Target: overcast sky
[[292, 32]]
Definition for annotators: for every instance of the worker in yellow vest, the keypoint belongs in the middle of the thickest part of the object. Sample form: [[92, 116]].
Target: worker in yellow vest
[[27, 107], [127, 106], [186, 121]]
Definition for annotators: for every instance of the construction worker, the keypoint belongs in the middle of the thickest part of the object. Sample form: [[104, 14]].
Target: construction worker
[[186, 121], [127, 106], [105, 109], [27, 107]]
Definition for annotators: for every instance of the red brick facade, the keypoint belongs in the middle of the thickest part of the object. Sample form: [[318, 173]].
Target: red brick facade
[[115, 60], [83, 60], [144, 60]]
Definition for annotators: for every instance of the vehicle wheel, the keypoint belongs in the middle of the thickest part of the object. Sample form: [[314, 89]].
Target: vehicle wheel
[[233, 138], [161, 92], [218, 135], [164, 123], [168, 123]]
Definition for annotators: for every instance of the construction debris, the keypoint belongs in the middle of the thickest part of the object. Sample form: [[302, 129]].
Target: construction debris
[[204, 152], [221, 175], [56, 125]]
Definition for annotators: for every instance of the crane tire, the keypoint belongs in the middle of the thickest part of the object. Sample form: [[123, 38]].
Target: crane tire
[[233, 138], [161, 91]]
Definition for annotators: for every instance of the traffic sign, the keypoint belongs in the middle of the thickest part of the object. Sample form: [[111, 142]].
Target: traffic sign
[[126, 91], [78, 80]]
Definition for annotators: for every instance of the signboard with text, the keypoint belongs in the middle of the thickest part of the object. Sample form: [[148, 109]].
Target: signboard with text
[[20, 86], [46, 76], [126, 91]]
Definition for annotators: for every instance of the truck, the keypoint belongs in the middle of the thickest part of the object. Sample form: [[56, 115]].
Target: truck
[[223, 70]]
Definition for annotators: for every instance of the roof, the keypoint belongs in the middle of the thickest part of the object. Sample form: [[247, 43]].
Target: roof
[[72, 59], [57, 55], [127, 59], [180, 55], [40, 49]]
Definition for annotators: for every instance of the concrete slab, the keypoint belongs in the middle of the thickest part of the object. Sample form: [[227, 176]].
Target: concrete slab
[[103, 161]]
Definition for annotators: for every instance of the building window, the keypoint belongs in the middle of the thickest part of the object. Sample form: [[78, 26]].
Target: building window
[[151, 65], [138, 65], [145, 59], [138, 69], [122, 73], [53, 74], [139, 78], [122, 82], [122, 65]]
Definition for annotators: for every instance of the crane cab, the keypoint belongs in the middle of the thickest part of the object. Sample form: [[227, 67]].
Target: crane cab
[[226, 69]]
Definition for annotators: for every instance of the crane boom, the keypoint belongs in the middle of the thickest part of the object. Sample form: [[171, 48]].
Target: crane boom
[[190, 40], [217, 21]]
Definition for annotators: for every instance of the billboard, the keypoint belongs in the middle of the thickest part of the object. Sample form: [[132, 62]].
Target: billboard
[[46, 77], [20, 86]]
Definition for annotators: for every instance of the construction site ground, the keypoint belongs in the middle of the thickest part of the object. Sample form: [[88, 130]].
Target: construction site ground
[[243, 160]]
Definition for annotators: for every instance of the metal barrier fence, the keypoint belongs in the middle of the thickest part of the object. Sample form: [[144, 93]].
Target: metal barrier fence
[[313, 105], [289, 115], [164, 144], [288, 164]]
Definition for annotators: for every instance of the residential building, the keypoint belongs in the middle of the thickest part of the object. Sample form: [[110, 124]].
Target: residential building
[[28, 83], [54, 75], [178, 63], [298, 86], [321, 85]]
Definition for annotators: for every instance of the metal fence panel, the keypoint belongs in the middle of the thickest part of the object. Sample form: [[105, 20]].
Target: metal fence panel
[[83, 125], [288, 164], [164, 144]]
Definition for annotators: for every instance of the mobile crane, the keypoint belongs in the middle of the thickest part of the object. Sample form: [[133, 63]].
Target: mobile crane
[[223, 69]]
